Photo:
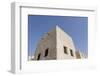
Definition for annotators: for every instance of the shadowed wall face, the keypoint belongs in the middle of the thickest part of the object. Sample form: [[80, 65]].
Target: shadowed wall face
[[46, 47], [78, 55]]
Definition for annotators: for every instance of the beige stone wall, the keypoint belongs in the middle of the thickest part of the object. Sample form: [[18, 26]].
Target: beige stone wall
[[78, 56], [63, 39], [48, 41]]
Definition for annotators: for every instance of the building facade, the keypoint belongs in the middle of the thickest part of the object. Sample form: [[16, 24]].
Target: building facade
[[56, 45]]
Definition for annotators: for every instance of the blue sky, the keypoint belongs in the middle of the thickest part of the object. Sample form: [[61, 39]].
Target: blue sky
[[76, 27]]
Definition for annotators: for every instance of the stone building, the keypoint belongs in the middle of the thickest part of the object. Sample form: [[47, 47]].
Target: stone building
[[55, 45]]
